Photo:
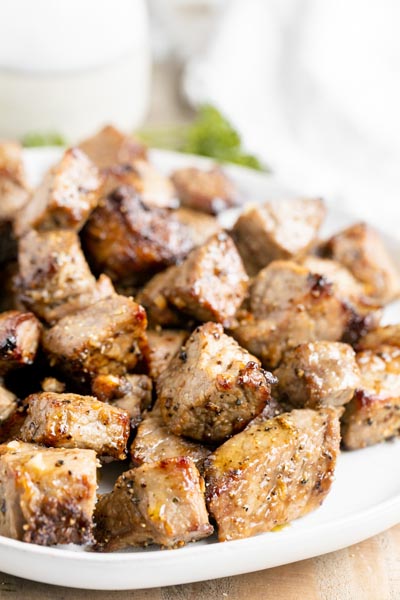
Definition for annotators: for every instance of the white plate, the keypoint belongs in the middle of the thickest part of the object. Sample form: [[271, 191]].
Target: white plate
[[365, 497]]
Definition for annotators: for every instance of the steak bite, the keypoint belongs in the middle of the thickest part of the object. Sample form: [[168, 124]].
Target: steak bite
[[200, 225], [289, 305], [65, 198], [105, 338], [279, 229], [213, 387], [157, 503], [19, 339], [154, 442], [373, 415], [73, 421], [111, 147], [207, 191], [163, 346], [14, 190], [272, 472], [381, 336], [54, 278], [318, 374], [361, 250], [129, 240], [8, 403], [153, 297], [211, 283], [48, 495], [132, 393]]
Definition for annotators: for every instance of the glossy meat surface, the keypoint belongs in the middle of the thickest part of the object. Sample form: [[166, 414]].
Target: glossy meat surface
[[157, 503], [212, 388], [273, 472], [19, 339]]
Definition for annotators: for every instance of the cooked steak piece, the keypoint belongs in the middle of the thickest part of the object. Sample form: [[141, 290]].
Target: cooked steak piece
[[154, 441], [8, 403], [132, 393], [129, 240], [289, 305], [163, 345], [373, 415], [73, 421], [155, 189], [272, 472], [54, 278], [48, 495], [207, 191], [280, 229], [8, 295], [344, 283], [201, 226], [106, 337], [65, 198], [381, 336], [111, 147], [213, 387], [318, 374], [153, 297], [211, 283], [14, 190], [19, 339], [157, 503], [361, 250]]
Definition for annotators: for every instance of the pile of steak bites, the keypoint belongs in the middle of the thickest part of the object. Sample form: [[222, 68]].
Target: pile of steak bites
[[224, 369]]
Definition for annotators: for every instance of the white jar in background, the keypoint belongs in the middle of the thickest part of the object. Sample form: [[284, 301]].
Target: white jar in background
[[70, 66]]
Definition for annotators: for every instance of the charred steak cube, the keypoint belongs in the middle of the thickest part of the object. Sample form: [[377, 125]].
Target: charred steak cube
[[54, 278], [157, 503], [48, 495], [8, 404], [154, 441], [212, 388], [73, 421], [318, 374], [280, 229], [106, 337], [132, 393], [111, 147], [130, 241], [272, 472], [14, 190], [289, 305], [211, 283], [19, 339], [163, 345], [361, 250], [207, 191], [373, 415], [65, 198]]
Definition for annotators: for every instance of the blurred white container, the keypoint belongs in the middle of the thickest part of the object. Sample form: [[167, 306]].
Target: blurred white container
[[71, 66]]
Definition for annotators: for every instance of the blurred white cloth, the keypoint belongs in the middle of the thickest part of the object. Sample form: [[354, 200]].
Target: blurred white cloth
[[314, 88]]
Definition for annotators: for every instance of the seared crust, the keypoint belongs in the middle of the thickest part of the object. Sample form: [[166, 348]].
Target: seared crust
[[373, 415], [272, 472], [65, 198], [207, 191], [48, 495], [157, 503], [74, 421], [318, 374], [211, 283], [129, 241], [106, 337], [289, 305], [213, 387], [54, 279], [280, 229], [19, 339], [154, 441], [361, 250]]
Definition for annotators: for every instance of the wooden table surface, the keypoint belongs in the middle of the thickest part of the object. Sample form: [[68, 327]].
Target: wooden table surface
[[367, 571]]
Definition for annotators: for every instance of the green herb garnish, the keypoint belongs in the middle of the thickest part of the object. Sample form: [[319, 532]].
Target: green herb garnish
[[35, 139]]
